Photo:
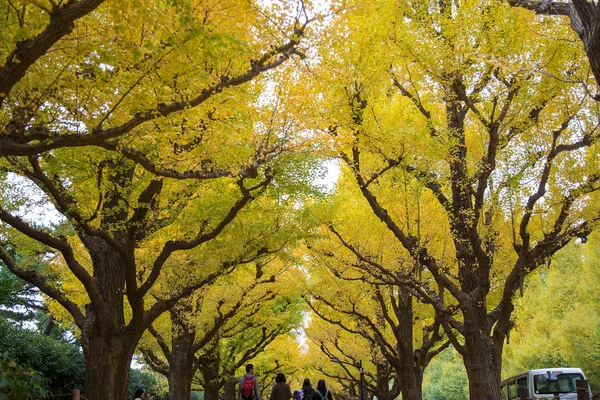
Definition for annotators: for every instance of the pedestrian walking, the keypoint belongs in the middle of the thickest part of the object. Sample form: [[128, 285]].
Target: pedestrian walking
[[281, 390], [306, 393], [248, 386], [322, 393]]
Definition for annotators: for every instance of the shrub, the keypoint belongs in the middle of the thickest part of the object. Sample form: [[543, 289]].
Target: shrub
[[61, 363], [20, 382]]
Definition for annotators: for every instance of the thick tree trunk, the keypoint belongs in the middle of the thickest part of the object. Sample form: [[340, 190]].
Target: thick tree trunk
[[482, 357], [108, 343], [383, 391], [484, 376], [592, 50], [211, 392], [108, 346], [229, 389], [181, 372], [209, 369], [107, 363], [181, 358]]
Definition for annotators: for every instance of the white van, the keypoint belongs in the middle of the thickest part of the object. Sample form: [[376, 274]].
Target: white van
[[544, 383]]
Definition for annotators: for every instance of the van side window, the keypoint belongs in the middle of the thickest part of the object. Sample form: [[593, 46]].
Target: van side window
[[522, 383], [512, 390], [503, 392]]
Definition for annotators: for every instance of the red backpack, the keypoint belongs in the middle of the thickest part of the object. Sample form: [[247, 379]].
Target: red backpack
[[248, 388]]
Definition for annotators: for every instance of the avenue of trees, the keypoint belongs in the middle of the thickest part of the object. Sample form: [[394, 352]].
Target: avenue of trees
[[473, 155], [160, 200]]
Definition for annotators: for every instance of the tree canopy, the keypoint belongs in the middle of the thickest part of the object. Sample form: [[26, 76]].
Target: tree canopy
[[159, 195]]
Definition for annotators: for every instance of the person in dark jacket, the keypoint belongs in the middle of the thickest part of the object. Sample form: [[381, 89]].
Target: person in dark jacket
[[322, 393], [307, 390], [281, 390]]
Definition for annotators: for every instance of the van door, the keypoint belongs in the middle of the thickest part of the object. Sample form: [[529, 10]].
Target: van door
[[523, 388], [522, 383], [512, 390]]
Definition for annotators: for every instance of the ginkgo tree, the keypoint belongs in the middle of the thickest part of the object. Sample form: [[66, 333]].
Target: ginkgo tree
[[86, 72], [217, 330], [343, 355], [584, 18], [253, 339], [140, 127], [463, 99], [402, 332], [398, 354]]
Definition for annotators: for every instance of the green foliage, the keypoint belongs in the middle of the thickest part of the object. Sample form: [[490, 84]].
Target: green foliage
[[557, 320], [61, 363], [15, 292], [147, 381], [19, 382], [446, 378], [10, 287]]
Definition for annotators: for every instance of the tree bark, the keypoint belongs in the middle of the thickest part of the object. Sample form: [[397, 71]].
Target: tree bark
[[592, 49], [28, 51], [181, 371], [481, 355], [585, 21], [181, 357], [107, 362], [383, 391], [229, 389], [409, 372], [209, 368]]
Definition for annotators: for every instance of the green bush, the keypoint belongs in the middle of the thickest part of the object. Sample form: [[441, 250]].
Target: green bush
[[19, 382], [61, 363], [445, 378], [147, 381]]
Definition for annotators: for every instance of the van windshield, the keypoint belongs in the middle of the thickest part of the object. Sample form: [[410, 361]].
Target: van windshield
[[550, 383]]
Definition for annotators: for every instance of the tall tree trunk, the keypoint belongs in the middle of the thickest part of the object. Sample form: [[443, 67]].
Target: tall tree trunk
[[181, 358], [229, 389], [181, 372], [211, 392], [482, 357], [209, 368], [107, 362], [108, 342], [592, 49], [383, 383], [108, 346], [408, 371]]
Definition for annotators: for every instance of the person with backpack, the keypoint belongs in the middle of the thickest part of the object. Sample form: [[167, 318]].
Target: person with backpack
[[306, 393], [322, 393], [281, 390], [248, 387]]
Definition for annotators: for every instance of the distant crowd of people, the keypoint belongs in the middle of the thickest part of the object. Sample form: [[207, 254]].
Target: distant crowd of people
[[248, 388]]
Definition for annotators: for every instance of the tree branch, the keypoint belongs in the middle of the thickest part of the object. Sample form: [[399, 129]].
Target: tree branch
[[18, 144], [43, 284], [28, 51]]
